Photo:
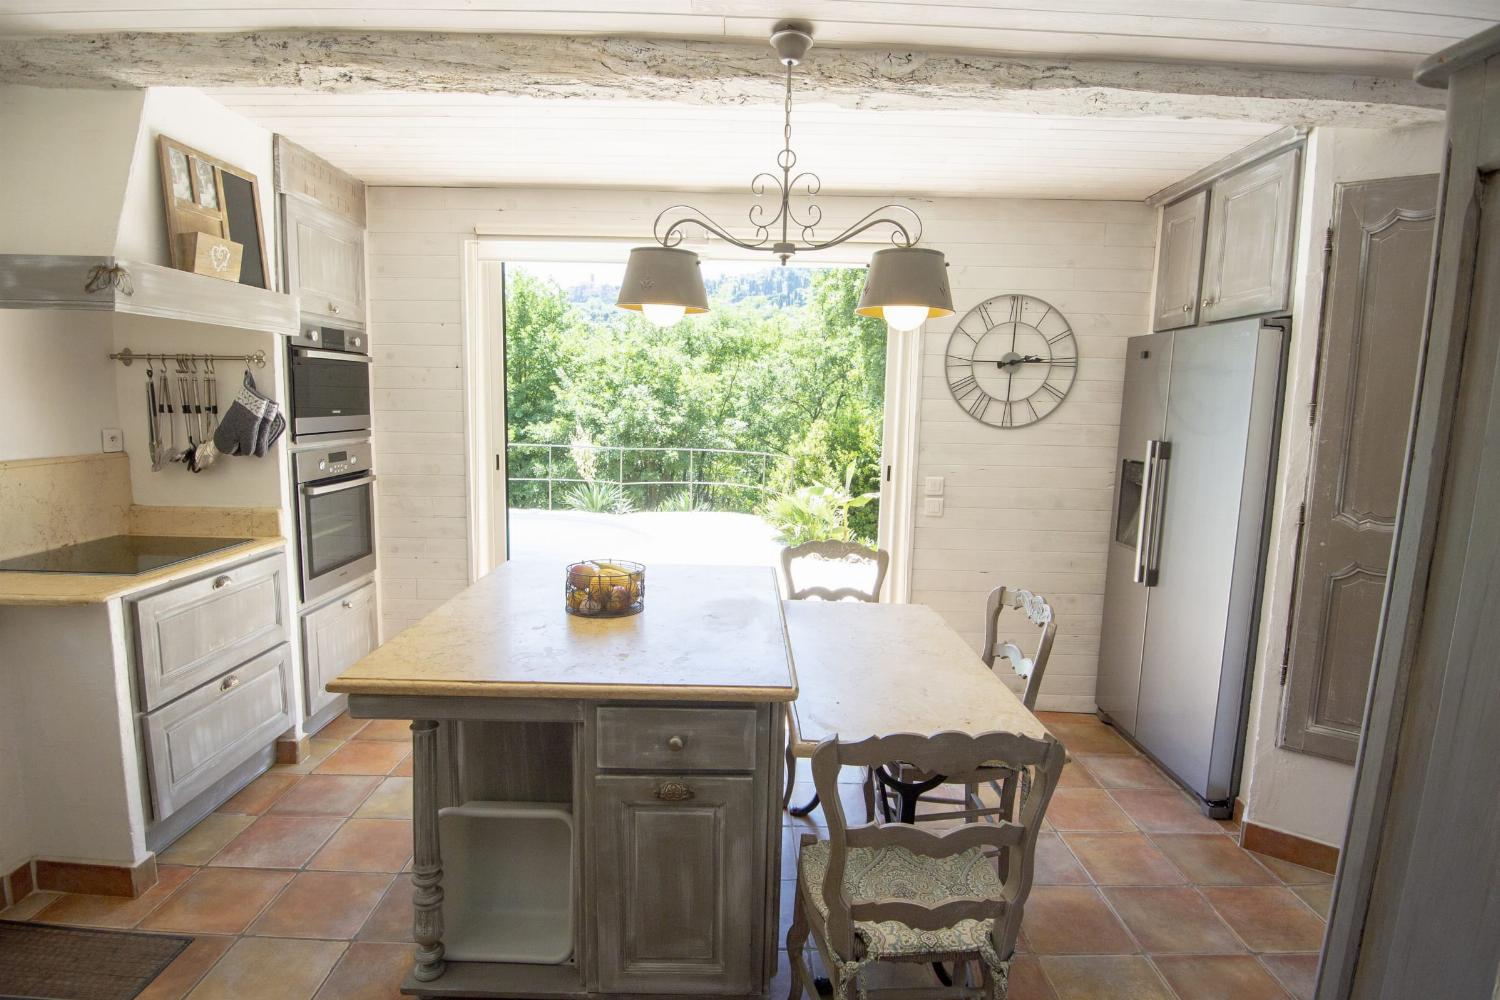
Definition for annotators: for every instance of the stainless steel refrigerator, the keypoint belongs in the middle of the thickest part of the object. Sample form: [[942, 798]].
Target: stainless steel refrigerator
[[1192, 505]]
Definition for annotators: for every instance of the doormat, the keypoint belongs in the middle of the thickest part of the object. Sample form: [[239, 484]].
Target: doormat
[[43, 962]]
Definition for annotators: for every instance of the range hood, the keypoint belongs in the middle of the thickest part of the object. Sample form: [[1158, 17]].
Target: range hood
[[109, 284]]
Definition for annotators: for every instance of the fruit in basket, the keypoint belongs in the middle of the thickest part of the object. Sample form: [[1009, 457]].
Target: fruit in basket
[[619, 598], [581, 575]]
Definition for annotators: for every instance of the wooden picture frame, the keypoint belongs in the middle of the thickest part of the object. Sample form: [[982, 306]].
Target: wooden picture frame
[[202, 194]]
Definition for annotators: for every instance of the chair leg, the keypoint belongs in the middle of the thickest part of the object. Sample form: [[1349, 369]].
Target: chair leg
[[791, 776], [869, 791], [796, 938], [971, 797]]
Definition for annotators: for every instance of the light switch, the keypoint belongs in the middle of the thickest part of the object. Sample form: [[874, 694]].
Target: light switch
[[113, 438], [933, 507], [934, 486]]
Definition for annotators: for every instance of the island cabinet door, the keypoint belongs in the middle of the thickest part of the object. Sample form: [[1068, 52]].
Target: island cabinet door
[[677, 900]]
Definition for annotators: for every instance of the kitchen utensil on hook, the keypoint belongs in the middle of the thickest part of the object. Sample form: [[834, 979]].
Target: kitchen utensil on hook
[[153, 422]]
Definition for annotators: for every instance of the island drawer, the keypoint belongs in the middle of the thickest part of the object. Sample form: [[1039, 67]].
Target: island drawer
[[198, 629], [676, 739]]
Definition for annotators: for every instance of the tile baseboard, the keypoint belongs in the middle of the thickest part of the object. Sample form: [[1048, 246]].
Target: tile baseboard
[[1289, 847], [17, 885], [98, 880], [292, 751]]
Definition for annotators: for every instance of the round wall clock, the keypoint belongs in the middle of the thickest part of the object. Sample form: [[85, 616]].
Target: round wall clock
[[1011, 360]]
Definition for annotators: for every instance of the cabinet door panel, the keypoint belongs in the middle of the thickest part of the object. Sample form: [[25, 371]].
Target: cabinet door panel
[[676, 893], [1247, 266], [325, 261], [1179, 262], [334, 638]]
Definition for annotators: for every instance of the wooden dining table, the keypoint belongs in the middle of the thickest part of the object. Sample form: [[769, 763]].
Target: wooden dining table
[[877, 669]]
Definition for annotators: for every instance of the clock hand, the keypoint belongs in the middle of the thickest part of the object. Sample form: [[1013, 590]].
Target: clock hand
[[1025, 359]]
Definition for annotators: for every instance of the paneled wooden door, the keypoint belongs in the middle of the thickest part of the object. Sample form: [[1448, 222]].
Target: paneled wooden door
[[1367, 364]]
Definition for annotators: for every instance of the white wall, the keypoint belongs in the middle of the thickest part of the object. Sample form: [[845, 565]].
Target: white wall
[[1025, 507], [1283, 789], [57, 384]]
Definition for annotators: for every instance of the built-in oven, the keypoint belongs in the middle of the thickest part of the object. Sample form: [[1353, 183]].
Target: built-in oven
[[330, 381], [335, 516]]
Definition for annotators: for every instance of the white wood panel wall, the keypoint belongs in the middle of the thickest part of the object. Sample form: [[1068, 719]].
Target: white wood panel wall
[[1025, 507]]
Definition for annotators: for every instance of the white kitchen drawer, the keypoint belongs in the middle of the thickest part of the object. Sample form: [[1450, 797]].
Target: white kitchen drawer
[[334, 638]]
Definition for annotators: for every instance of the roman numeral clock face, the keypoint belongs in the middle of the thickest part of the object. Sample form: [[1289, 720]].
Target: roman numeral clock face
[[1011, 361]]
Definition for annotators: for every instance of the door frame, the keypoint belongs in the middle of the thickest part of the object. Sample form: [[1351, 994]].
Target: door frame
[[484, 258]]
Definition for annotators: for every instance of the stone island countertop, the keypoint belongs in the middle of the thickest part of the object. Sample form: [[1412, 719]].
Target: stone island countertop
[[708, 633]]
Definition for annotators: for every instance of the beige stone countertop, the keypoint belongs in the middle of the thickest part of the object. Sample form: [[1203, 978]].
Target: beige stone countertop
[[708, 633], [52, 589]]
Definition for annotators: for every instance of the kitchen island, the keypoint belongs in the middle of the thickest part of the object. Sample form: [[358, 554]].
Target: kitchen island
[[596, 800]]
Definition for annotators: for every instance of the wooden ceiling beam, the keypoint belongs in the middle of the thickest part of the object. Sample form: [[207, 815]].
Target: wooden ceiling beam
[[709, 73]]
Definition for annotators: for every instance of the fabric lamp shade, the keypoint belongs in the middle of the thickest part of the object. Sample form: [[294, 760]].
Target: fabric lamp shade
[[906, 277], [663, 276]]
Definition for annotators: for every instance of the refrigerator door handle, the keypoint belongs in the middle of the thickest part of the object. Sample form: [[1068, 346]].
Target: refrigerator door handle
[[1160, 455], [1146, 519]]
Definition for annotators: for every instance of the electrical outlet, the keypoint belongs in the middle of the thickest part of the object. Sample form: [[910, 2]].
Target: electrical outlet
[[934, 486], [933, 507], [114, 439]]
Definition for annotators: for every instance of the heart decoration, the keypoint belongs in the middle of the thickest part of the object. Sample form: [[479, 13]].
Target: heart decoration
[[218, 256]]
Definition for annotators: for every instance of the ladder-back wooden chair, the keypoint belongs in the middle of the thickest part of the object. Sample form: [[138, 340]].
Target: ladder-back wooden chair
[[845, 552], [906, 786], [894, 892]]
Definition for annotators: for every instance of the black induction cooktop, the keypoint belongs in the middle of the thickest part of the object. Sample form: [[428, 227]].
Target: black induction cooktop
[[117, 555]]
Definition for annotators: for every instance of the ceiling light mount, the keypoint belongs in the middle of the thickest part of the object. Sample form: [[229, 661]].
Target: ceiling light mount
[[787, 230]]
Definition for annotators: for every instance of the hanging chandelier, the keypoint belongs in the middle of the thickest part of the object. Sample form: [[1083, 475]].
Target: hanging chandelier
[[905, 286]]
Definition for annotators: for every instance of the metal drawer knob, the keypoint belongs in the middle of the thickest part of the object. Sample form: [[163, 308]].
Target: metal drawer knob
[[346, 604], [228, 682], [333, 308], [675, 743], [1188, 307], [221, 582], [673, 791]]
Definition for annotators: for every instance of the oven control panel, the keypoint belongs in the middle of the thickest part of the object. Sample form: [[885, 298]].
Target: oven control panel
[[333, 462]]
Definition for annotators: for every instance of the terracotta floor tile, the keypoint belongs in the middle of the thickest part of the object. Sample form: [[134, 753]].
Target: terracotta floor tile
[[1319, 897], [1105, 977], [1074, 776], [1219, 977], [327, 795], [202, 842], [1090, 738], [1069, 718], [390, 800], [366, 845], [1163, 811], [1026, 981], [29, 907], [277, 842], [369, 972], [331, 905], [403, 769], [1267, 918], [363, 757], [115, 911], [396, 730], [269, 969], [317, 751], [1086, 809], [1293, 874], [1298, 973], [1122, 859], [1073, 920], [1210, 859], [392, 917], [1170, 920], [256, 797], [1055, 864], [217, 901], [342, 728], [1113, 770], [187, 968]]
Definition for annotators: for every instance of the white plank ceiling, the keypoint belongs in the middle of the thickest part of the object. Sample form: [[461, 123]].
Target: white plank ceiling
[[463, 139], [1364, 36]]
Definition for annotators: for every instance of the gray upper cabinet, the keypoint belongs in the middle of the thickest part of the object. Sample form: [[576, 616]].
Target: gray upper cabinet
[[325, 261], [1247, 261], [1179, 262], [677, 897], [334, 638]]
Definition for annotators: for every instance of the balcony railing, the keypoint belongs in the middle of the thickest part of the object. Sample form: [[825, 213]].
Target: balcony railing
[[722, 478]]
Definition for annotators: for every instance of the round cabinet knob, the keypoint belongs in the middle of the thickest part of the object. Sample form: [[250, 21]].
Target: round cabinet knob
[[222, 582], [675, 744], [333, 308], [346, 604], [1188, 308], [228, 682]]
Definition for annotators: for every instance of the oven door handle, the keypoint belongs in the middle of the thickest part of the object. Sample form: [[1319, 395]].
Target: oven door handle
[[318, 491], [317, 355]]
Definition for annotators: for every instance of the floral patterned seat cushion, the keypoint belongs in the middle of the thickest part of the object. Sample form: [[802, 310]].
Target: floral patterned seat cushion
[[896, 873]]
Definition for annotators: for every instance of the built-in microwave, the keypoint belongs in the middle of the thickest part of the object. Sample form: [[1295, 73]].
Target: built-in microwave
[[335, 516], [330, 381]]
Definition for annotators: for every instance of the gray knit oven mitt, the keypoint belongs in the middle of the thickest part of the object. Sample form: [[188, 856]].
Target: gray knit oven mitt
[[252, 423]]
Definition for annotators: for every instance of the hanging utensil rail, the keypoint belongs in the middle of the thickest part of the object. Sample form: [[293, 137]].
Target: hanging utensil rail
[[127, 357]]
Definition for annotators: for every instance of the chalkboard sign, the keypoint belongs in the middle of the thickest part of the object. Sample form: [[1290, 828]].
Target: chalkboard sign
[[242, 208]]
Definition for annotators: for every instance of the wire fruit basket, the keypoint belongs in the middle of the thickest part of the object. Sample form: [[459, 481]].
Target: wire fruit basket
[[605, 588]]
